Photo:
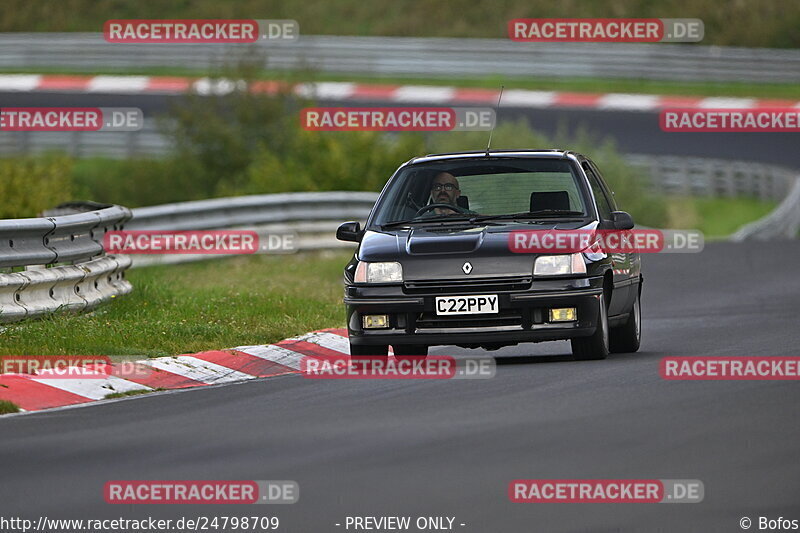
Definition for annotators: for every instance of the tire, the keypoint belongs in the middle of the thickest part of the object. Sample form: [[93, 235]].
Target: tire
[[360, 350], [627, 337], [410, 350], [594, 347]]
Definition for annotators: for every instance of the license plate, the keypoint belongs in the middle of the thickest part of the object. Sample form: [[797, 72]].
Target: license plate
[[478, 304]]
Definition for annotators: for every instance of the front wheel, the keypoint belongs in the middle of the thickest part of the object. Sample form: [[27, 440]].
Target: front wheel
[[627, 337], [595, 346]]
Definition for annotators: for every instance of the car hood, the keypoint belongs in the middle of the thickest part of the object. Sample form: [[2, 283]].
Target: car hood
[[441, 252]]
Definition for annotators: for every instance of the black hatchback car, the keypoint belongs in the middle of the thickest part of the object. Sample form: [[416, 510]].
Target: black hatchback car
[[434, 265]]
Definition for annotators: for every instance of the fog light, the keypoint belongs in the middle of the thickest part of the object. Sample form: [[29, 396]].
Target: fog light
[[563, 314], [375, 321]]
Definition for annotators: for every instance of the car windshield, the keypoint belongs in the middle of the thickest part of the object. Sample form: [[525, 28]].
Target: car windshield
[[497, 190]]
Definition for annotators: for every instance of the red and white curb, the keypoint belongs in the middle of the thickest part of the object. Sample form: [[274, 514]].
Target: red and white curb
[[35, 392], [360, 92]]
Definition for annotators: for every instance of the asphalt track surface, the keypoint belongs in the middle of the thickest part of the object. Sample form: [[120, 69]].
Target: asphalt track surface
[[634, 131], [450, 448]]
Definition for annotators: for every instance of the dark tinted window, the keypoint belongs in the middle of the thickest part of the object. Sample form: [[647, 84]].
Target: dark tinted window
[[603, 204], [609, 193]]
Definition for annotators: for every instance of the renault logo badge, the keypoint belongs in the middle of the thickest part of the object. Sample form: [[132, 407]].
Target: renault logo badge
[[467, 268]]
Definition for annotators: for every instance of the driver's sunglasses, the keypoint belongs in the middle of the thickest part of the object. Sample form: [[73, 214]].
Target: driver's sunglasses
[[447, 186]]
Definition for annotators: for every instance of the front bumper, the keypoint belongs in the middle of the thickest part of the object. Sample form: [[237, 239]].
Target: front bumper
[[523, 315]]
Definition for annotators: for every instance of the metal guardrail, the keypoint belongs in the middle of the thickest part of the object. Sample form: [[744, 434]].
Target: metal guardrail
[[312, 216], [58, 239], [700, 176], [148, 141], [421, 57], [696, 176], [81, 287], [65, 265], [782, 223], [253, 210]]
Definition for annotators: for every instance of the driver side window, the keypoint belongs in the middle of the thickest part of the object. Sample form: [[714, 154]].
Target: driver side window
[[603, 204]]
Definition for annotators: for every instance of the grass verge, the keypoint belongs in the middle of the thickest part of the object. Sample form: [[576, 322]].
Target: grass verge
[[7, 407], [200, 306], [717, 218]]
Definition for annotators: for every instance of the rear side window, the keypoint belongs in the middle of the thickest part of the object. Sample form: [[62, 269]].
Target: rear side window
[[603, 205], [511, 192]]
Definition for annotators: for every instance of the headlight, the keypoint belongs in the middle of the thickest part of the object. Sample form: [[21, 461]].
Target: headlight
[[559, 265], [378, 272]]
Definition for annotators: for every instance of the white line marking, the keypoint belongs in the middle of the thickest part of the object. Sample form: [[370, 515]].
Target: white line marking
[[93, 388], [424, 93], [206, 86], [727, 103], [330, 90], [636, 102], [524, 98], [331, 341], [273, 353], [118, 84], [197, 369], [19, 82]]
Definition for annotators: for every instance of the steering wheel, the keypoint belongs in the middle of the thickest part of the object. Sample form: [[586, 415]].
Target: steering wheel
[[431, 207]]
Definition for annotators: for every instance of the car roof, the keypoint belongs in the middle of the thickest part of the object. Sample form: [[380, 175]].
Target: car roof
[[551, 153]]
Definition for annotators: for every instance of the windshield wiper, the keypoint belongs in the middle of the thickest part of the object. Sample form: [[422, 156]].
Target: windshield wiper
[[542, 213], [440, 218]]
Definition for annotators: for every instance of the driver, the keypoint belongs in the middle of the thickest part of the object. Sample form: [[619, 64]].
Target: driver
[[445, 190]]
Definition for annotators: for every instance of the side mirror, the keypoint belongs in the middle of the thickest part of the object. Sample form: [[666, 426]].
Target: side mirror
[[350, 232], [622, 220]]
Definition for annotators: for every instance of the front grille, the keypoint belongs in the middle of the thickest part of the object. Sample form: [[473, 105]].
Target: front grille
[[468, 285], [507, 318]]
